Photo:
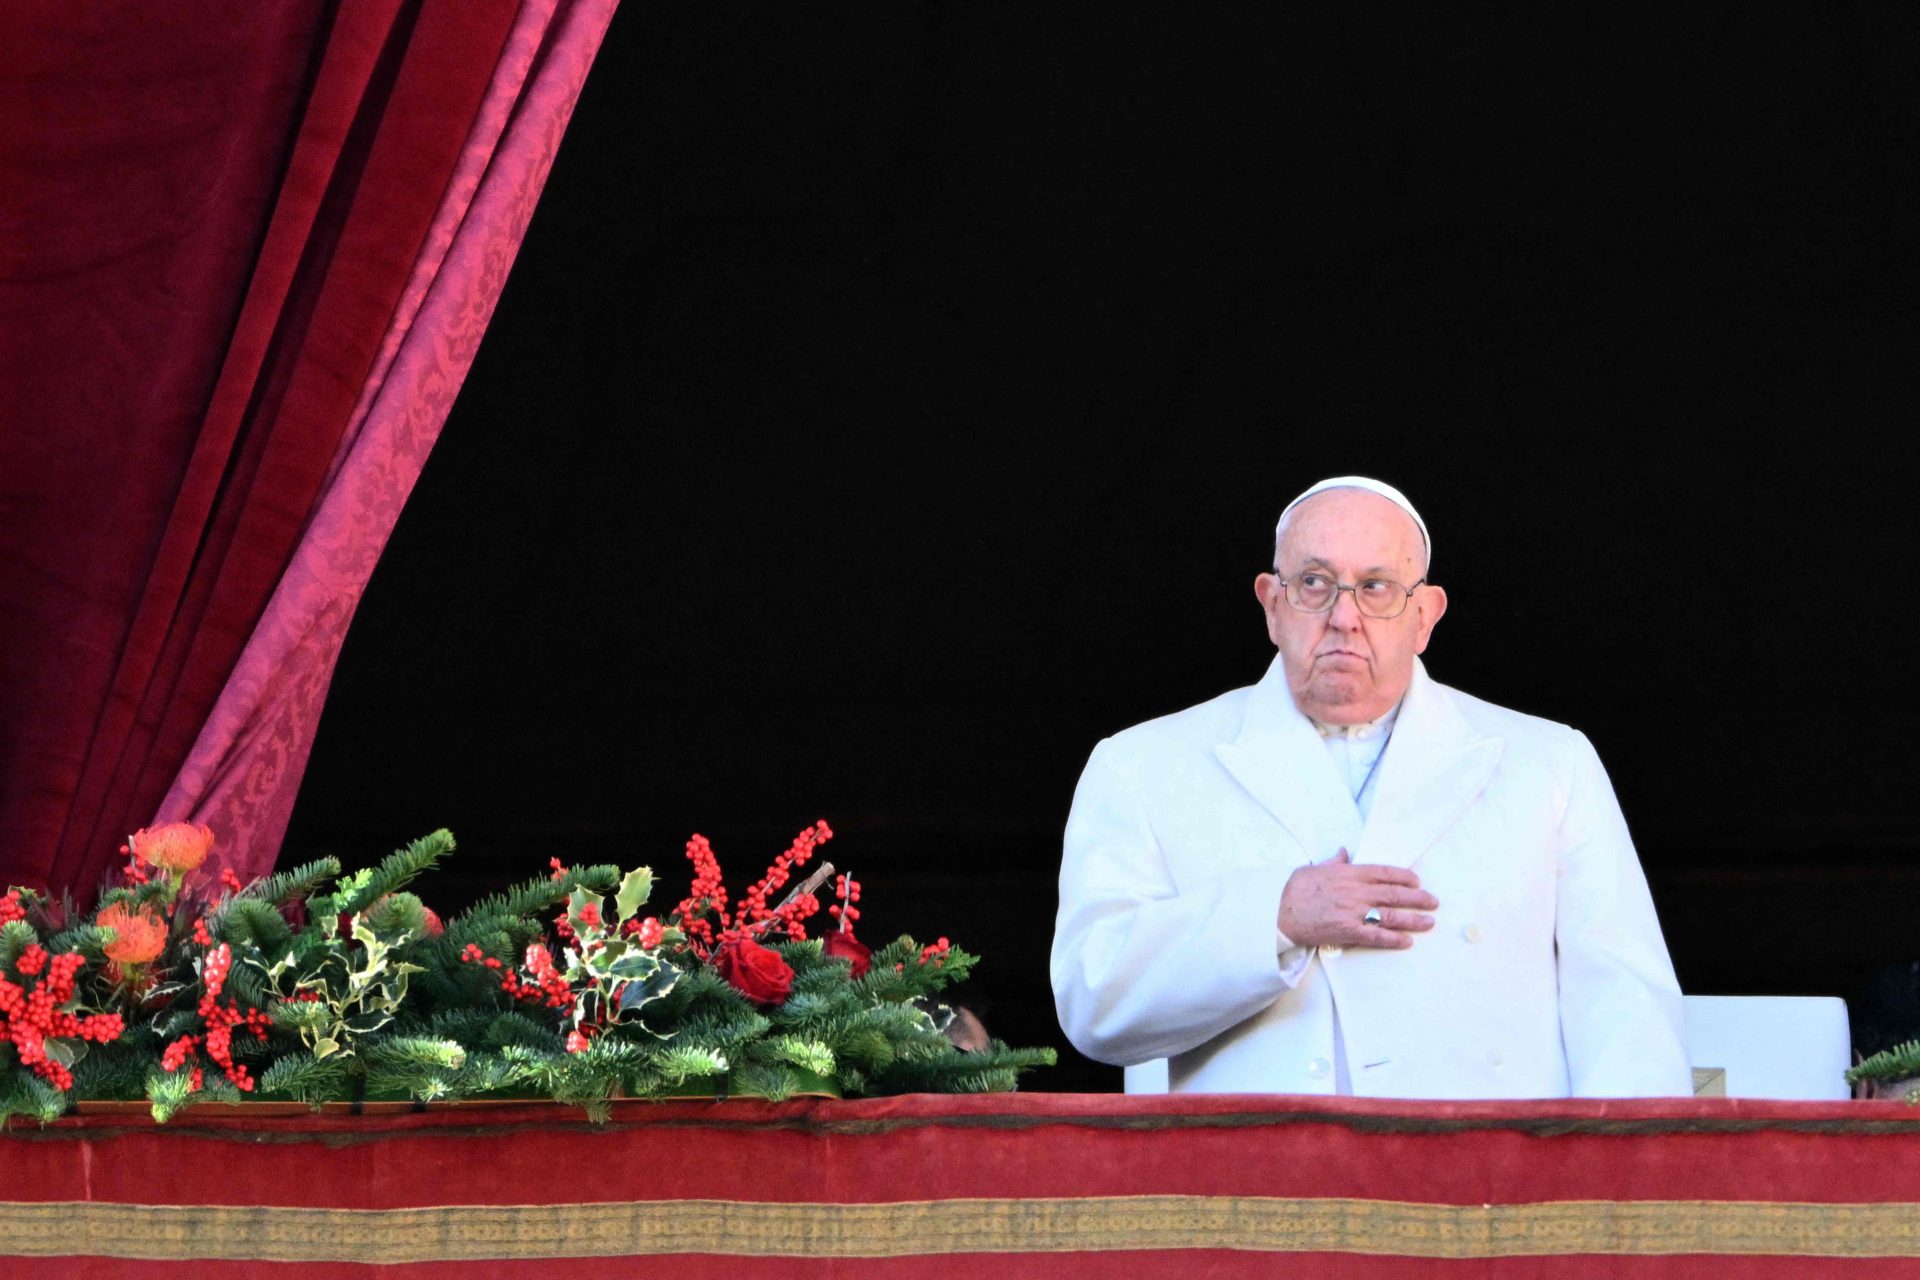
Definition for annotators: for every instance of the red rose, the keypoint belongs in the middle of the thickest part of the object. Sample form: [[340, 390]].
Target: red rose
[[842, 945], [756, 972]]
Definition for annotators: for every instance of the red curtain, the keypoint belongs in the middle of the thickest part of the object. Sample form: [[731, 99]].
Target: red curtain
[[213, 217]]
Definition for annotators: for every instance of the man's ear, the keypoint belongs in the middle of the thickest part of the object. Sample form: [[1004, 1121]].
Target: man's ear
[[1431, 601], [1267, 589]]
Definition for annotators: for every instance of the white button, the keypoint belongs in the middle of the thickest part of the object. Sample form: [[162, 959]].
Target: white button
[[1330, 951], [1318, 1068], [1493, 1058], [1471, 933]]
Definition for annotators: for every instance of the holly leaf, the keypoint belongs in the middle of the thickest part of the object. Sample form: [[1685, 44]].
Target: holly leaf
[[63, 1051], [633, 892], [634, 964], [644, 991], [578, 901]]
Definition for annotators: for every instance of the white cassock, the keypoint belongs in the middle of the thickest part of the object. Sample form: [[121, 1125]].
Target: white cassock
[[1545, 974]]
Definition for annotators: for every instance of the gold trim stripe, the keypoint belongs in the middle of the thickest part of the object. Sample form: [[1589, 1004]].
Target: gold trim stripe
[[756, 1229]]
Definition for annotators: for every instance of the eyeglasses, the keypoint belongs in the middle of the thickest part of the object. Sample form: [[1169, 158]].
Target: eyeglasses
[[1382, 598]]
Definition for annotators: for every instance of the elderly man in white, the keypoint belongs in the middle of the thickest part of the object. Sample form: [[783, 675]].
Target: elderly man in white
[[1351, 879]]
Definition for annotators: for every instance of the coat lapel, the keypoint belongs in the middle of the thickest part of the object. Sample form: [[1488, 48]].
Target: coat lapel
[[1279, 759], [1434, 767]]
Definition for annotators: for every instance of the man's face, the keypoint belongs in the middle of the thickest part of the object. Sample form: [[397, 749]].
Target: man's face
[[1343, 666]]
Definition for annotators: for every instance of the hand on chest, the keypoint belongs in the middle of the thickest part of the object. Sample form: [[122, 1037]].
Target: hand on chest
[[1490, 854]]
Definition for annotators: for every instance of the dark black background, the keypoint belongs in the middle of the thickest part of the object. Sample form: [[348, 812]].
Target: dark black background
[[892, 399]]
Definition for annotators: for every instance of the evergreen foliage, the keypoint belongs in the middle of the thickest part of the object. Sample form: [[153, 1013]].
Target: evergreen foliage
[[396, 871], [1901, 1062], [89, 940], [364, 1001], [254, 923], [25, 1095], [15, 936], [302, 881]]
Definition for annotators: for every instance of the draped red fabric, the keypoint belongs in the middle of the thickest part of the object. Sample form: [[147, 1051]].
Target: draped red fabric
[[1054, 1185], [243, 774], [209, 213]]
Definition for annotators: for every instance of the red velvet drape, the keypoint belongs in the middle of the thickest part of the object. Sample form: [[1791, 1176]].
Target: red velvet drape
[[1185, 1186], [208, 212]]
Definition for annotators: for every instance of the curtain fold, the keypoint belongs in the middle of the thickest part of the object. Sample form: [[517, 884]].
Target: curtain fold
[[334, 161], [244, 771]]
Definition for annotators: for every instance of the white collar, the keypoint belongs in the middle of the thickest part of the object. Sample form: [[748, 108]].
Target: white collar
[[1361, 732]]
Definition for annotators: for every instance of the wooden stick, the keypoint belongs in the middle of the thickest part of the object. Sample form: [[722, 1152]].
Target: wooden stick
[[812, 882]]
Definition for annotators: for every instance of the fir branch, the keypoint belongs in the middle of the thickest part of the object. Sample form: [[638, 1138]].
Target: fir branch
[[88, 939], [418, 1066], [808, 1055], [117, 1070], [772, 1081], [300, 1076], [945, 1069], [396, 914], [465, 1024], [529, 898], [515, 1028], [679, 1064], [170, 1092], [15, 936], [864, 1047], [25, 1094], [486, 1073], [247, 987], [413, 1054], [283, 887], [1898, 1063], [397, 869], [804, 1010], [250, 922]]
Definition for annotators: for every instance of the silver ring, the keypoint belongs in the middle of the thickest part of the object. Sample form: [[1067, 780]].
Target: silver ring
[[1372, 916]]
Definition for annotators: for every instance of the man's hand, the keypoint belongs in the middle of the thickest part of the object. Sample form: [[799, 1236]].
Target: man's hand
[[1327, 904]]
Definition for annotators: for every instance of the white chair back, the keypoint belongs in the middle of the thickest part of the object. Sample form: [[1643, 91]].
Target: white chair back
[[1792, 1047]]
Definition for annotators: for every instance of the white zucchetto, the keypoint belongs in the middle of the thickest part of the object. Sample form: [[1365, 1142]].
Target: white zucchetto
[[1384, 490]]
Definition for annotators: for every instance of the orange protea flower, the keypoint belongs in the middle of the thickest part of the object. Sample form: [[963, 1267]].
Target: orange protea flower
[[177, 847], [138, 935]]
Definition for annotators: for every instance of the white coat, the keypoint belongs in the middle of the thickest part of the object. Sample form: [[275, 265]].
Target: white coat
[[1545, 974]]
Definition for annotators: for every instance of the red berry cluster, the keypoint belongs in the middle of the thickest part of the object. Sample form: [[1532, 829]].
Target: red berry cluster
[[754, 916], [559, 869], [30, 1017], [847, 889], [201, 934], [547, 986], [707, 892], [936, 952], [647, 933], [222, 1019], [11, 908], [133, 871], [230, 880], [753, 908]]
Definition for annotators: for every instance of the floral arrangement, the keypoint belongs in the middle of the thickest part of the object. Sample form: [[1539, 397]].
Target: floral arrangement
[[318, 986]]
